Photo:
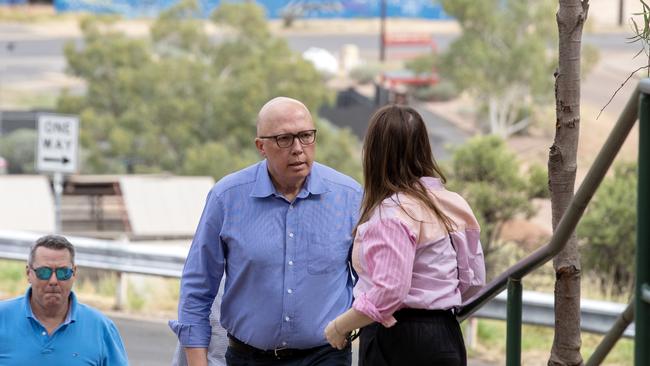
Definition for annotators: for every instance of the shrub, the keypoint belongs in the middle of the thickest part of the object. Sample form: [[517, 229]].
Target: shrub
[[440, 92], [364, 74]]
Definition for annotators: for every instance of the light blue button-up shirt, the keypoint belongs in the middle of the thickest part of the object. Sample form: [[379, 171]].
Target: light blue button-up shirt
[[86, 337], [286, 262]]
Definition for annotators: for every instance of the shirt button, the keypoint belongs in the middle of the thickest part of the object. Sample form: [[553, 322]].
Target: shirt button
[[44, 333], [291, 263], [291, 207], [291, 235], [290, 291], [286, 318]]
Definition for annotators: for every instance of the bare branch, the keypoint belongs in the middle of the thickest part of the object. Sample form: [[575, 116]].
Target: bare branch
[[620, 87]]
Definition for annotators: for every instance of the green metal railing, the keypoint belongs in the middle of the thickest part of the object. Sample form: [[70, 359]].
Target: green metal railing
[[513, 275], [642, 305]]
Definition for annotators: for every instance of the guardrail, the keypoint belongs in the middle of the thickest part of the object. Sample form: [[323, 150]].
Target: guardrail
[[597, 316], [116, 256], [538, 309]]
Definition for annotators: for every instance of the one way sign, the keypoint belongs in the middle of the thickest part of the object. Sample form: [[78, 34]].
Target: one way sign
[[58, 140]]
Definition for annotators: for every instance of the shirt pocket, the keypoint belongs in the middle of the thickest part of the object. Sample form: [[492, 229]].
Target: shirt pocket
[[327, 253]]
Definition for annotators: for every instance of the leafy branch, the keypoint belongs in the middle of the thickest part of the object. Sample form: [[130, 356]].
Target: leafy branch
[[642, 36]]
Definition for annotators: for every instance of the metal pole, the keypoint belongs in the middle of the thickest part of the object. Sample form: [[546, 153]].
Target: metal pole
[[614, 334], [57, 183], [382, 32], [121, 292], [642, 319], [513, 321], [621, 6]]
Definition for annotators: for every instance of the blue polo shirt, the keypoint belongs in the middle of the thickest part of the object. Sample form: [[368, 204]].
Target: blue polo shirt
[[86, 337]]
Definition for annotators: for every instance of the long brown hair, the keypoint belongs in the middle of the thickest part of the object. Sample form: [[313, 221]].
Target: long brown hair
[[396, 154]]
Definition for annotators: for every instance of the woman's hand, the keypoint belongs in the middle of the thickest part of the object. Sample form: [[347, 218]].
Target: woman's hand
[[337, 340]]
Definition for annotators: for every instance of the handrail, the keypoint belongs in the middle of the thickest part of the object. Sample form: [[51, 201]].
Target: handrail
[[614, 334], [571, 216]]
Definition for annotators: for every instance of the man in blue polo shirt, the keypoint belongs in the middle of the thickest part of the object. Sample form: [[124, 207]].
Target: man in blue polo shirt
[[47, 326], [281, 230]]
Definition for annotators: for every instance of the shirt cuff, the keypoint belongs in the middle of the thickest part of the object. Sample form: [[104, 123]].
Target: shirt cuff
[[362, 304], [191, 335]]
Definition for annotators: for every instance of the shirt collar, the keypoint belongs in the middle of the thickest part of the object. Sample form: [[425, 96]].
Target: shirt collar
[[264, 186], [69, 318], [431, 182]]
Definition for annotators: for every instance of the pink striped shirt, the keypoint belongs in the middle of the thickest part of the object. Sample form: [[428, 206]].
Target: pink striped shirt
[[408, 260]]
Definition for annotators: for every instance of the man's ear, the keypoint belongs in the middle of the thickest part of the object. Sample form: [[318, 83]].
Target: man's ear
[[27, 273], [259, 144]]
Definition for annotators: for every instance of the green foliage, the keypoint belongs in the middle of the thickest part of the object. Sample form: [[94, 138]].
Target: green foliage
[[538, 340], [502, 55], [135, 299], [178, 102], [18, 149], [14, 281], [365, 74], [338, 148], [608, 231], [503, 43], [488, 176], [538, 182], [443, 91], [423, 64]]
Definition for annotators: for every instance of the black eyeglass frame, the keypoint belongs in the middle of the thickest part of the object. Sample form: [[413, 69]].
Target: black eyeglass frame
[[45, 273], [293, 138]]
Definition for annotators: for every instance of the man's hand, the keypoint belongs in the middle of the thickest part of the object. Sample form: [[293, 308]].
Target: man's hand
[[337, 340], [196, 356]]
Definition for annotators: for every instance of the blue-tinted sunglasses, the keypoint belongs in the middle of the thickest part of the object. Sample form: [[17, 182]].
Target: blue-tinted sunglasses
[[45, 273]]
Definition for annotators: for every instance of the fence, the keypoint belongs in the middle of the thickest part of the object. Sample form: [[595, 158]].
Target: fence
[[598, 316]]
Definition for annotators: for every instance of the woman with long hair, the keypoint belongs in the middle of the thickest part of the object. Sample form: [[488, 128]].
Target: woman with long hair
[[416, 252]]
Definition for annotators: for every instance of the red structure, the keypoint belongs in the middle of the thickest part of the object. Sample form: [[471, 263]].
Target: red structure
[[404, 77]]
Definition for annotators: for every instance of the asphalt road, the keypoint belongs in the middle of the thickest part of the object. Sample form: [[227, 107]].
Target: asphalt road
[[27, 63], [24, 59], [148, 343], [151, 343]]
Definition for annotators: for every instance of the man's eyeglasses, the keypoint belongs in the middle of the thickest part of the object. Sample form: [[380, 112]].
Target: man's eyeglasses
[[45, 273], [285, 140]]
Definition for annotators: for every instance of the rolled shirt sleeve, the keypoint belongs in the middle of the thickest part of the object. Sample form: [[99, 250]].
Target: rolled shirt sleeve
[[471, 264], [388, 249], [202, 274]]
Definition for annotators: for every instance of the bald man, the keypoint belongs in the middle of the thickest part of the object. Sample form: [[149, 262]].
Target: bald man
[[281, 230]]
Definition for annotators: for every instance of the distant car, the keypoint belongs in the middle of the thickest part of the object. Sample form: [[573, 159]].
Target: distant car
[[3, 165]]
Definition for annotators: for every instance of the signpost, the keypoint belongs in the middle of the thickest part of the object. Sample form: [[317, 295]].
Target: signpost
[[57, 152]]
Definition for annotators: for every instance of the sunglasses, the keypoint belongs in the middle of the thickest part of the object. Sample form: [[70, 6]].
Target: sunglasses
[[45, 273]]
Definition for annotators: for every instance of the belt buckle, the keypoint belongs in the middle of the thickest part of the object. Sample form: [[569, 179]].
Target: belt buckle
[[275, 352]]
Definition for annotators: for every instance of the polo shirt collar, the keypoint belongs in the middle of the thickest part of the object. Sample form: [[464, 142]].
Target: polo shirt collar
[[264, 187], [69, 318]]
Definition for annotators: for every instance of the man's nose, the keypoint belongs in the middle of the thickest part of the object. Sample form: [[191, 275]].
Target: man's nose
[[296, 146]]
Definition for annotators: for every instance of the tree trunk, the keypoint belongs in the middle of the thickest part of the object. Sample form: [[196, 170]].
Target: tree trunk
[[562, 167]]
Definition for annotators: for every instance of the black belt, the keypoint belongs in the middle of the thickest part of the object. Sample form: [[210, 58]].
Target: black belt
[[421, 314], [276, 354]]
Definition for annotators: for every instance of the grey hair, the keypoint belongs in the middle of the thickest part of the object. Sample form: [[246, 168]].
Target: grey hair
[[55, 242]]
